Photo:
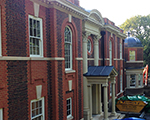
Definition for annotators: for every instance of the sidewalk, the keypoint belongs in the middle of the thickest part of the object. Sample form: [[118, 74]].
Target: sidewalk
[[100, 117]]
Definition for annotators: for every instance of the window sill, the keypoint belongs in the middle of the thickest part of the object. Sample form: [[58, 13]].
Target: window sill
[[70, 71], [70, 118]]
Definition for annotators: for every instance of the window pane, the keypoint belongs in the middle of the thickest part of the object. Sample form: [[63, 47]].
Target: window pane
[[37, 112], [68, 47]]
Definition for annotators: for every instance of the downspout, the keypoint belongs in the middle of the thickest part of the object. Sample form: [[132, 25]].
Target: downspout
[[102, 48]]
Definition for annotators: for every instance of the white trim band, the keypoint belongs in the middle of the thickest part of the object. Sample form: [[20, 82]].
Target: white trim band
[[30, 58]]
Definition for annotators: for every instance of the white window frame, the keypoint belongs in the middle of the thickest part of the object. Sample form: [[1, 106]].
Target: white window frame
[[43, 107], [1, 113], [120, 50], [70, 115], [69, 68], [121, 88], [110, 53], [40, 38]]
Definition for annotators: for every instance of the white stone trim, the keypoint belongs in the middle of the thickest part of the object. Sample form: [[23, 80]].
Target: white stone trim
[[90, 58], [100, 59], [79, 58], [134, 61], [70, 18], [70, 71], [70, 85], [106, 58], [30, 58], [118, 59], [36, 9], [38, 91]]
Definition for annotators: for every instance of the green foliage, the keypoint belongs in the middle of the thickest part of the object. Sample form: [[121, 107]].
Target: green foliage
[[139, 26]]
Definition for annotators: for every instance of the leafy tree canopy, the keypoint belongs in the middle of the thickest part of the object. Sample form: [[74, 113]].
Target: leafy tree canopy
[[139, 26]]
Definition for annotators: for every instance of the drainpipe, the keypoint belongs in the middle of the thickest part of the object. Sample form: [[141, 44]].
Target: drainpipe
[[102, 48]]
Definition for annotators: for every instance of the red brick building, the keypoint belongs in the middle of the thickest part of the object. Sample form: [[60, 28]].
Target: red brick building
[[46, 46], [35, 81]]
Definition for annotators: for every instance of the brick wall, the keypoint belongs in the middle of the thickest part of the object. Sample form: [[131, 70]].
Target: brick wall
[[17, 90], [15, 26]]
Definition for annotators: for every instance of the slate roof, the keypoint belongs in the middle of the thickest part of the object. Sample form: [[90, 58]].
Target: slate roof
[[100, 71]]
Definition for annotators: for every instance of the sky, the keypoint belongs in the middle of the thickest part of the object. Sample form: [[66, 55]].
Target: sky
[[118, 11]]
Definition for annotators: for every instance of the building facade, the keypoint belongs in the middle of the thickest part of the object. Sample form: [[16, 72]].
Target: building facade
[[102, 46], [41, 60], [46, 47], [133, 62]]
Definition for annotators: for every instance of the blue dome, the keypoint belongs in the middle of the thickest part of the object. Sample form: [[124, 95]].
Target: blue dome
[[132, 42]]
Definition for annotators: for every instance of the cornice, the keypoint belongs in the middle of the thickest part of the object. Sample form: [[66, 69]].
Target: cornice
[[114, 30], [92, 21], [63, 5]]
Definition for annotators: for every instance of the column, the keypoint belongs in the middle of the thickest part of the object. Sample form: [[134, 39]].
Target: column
[[136, 81], [100, 99], [96, 50], [90, 100], [105, 101], [128, 80], [113, 112], [95, 98], [85, 67]]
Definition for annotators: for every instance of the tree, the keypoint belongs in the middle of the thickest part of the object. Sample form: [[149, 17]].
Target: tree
[[139, 26]]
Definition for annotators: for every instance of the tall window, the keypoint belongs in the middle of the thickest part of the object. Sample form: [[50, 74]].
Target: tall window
[[1, 114], [68, 48], [37, 109], [121, 81], [69, 107], [110, 53], [35, 34], [120, 51], [132, 55]]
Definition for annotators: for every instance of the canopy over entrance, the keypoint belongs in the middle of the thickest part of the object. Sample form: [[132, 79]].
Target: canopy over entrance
[[101, 75], [103, 71]]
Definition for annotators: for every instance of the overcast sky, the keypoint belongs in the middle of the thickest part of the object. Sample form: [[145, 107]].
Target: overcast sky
[[118, 10]]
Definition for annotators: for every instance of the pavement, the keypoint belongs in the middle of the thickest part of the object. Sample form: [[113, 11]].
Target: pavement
[[100, 117]]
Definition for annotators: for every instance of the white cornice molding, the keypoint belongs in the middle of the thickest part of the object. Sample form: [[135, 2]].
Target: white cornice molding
[[30, 58], [63, 5]]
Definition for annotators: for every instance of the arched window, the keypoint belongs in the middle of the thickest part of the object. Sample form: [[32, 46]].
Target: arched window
[[68, 48], [110, 53]]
